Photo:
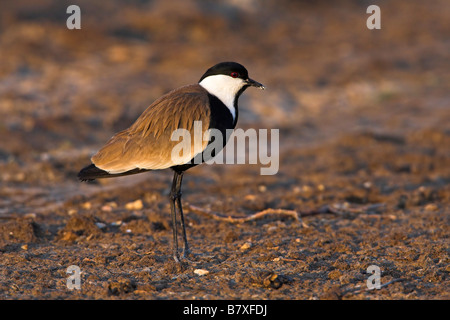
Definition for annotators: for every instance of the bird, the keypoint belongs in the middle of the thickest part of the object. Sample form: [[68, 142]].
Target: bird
[[147, 144]]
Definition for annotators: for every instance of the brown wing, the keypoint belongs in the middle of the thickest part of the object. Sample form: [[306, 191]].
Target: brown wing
[[147, 144]]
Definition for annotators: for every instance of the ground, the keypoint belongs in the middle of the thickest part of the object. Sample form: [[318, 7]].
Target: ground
[[364, 158]]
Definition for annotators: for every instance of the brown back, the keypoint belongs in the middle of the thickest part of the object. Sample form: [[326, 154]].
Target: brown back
[[147, 143]]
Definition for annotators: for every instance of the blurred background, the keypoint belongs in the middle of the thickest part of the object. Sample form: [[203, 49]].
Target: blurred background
[[344, 97]]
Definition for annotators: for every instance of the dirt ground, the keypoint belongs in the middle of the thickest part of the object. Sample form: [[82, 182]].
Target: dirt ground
[[364, 120]]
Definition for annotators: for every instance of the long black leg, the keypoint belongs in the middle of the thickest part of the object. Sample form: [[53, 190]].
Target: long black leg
[[173, 199], [186, 250]]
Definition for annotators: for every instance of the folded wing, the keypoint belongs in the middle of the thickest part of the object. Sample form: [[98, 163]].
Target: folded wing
[[148, 143]]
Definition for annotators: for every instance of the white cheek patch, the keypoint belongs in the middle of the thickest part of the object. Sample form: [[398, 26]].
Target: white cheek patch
[[225, 88]]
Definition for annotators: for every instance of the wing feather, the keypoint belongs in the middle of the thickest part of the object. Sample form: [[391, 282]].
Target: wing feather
[[147, 143]]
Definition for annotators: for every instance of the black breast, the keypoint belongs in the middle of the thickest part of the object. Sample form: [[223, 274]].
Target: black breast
[[221, 119]]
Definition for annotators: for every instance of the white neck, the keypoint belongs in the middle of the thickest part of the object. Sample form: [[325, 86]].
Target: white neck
[[225, 88]]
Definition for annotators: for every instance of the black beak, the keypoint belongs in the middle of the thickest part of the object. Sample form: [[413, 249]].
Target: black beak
[[254, 83]]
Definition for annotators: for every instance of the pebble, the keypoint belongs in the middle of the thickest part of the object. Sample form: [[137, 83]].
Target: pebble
[[367, 184], [250, 197], [306, 188], [86, 205], [134, 205], [201, 272], [106, 208], [116, 223], [431, 207], [100, 225]]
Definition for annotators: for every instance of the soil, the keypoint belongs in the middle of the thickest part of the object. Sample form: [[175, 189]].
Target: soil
[[363, 118]]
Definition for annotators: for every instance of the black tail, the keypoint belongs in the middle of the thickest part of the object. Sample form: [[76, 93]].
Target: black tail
[[91, 173]]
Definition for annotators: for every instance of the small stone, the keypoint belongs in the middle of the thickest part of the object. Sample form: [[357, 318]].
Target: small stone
[[100, 225], [273, 280], [86, 205], [201, 272], [106, 208], [367, 184], [431, 207], [245, 246], [111, 204], [250, 197], [134, 205]]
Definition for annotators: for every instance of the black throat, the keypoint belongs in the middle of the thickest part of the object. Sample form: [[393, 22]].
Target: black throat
[[222, 120], [221, 117]]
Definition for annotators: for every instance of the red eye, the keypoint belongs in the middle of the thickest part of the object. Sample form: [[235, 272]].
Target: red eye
[[234, 74]]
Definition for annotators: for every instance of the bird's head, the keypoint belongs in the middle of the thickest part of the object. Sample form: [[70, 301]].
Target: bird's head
[[227, 79]]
